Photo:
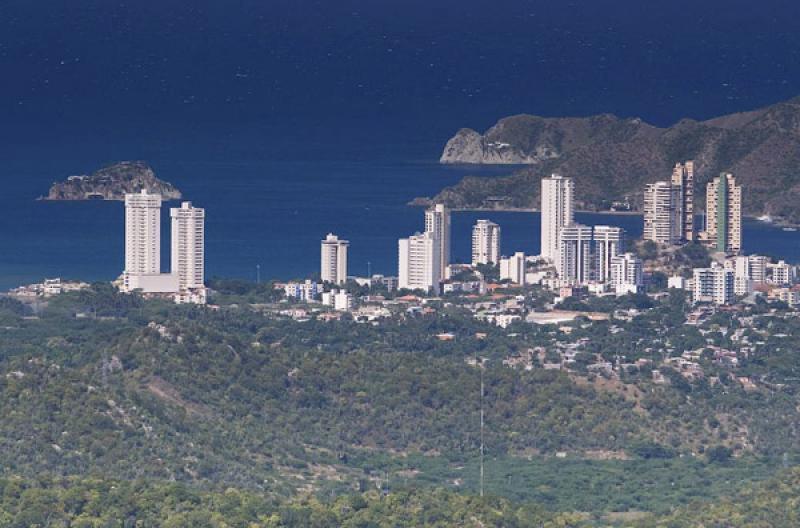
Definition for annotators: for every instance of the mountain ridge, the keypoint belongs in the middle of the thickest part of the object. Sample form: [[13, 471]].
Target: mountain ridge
[[612, 158]]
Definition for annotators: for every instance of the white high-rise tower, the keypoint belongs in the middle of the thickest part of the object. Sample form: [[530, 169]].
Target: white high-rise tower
[[333, 261], [724, 214], [418, 263], [557, 212], [437, 222], [142, 233], [485, 243], [683, 177], [663, 215], [574, 264], [188, 246], [513, 268], [609, 241], [626, 274]]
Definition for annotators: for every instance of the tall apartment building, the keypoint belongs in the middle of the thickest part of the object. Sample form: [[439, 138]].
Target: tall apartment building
[[749, 271], [557, 211], [419, 261], [513, 268], [715, 284], [723, 230], [754, 267], [333, 260], [743, 284], [437, 222], [662, 213], [188, 246], [574, 263], [609, 241], [683, 177], [626, 274], [142, 233], [758, 268], [143, 246], [485, 243]]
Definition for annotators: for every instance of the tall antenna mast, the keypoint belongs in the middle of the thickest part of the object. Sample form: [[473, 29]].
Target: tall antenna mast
[[481, 367]]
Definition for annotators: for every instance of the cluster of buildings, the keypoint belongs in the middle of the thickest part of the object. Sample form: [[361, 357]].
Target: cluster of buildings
[[669, 220], [572, 254], [740, 276], [576, 258], [47, 288], [185, 280], [582, 255], [573, 257], [669, 211]]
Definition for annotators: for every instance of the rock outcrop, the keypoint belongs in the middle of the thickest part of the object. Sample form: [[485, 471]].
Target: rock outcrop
[[112, 183]]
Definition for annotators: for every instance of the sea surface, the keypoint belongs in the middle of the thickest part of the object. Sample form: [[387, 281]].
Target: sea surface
[[265, 213], [290, 119]]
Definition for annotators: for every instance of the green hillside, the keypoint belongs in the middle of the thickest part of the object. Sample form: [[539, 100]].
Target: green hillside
[[107, 386]]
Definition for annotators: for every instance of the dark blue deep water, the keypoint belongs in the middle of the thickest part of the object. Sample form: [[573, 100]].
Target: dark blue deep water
[[267, 213], [287, 119]]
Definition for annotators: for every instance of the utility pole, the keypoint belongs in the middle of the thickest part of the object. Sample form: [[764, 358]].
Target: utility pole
[[481, 367]]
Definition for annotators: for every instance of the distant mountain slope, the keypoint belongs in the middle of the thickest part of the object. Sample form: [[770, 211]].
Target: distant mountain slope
[[611, 158]]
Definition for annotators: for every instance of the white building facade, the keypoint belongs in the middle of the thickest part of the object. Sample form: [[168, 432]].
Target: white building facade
[[626, 274], [419, 262], [188, 246], [715, 284], [781, 274], [143, 233], [663, 217], [143, 246], [485, 243], [306, 291], [513, 268], [609, 241], [574, 263], [557, 209], [333, 260], [437, 222]]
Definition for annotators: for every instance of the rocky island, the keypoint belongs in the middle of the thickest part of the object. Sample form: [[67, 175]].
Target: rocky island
[[112, 183], [612, 158]]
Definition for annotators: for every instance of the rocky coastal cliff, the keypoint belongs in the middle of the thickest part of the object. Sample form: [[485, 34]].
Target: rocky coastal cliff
[[612, 158], [112, 183]]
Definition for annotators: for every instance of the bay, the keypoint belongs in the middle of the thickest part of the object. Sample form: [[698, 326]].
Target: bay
[[272, 214]]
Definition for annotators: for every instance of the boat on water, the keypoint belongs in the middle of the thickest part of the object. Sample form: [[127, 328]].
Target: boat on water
[[765, 218], [790, 229]]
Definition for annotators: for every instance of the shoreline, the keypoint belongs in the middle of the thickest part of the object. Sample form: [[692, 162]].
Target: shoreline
[[534, 210], [775, 222]]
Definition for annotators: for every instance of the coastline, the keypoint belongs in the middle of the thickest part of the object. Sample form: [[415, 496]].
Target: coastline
[[775, 222], [534, 210]]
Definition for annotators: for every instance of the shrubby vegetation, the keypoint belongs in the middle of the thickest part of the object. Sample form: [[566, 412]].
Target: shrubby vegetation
[[92, 502], [80, 503], [107, 386]]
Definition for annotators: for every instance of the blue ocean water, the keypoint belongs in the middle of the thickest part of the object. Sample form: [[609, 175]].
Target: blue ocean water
[[291, 118], [268, 213]]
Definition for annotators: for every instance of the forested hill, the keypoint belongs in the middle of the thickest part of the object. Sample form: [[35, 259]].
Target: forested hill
[[90, 502], [109, 386], [611, 158]]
